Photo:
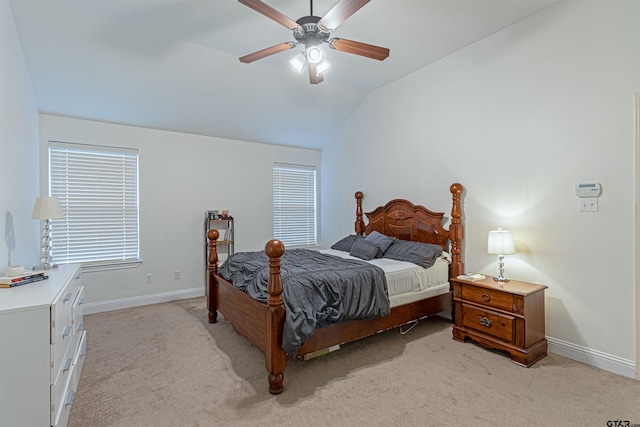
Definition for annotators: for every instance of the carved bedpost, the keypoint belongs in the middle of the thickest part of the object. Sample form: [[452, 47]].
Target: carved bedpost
[[359, 225], [212, 297], [456, 232], [275, 357]]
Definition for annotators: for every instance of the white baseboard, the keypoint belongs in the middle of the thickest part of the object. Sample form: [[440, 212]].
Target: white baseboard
[[117, 304], [596, 358]]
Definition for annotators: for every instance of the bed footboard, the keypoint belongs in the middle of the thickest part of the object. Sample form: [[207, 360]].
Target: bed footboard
[[261, 323]]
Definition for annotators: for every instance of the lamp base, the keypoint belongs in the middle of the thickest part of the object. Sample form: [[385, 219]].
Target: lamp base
[[501, 280], [45, 267]]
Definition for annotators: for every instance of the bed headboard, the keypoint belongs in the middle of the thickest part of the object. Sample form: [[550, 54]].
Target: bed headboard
[[402, 219]]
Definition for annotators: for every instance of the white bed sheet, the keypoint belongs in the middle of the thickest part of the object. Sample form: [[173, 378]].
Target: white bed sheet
[[406, 281]]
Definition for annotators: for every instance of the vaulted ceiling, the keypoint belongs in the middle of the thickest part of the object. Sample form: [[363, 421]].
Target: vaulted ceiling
[[173, 64]]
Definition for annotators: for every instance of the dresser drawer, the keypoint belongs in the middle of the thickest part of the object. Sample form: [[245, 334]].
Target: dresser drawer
[[78, 312], [77, 318], [78, 360], [489, 322], [62, 406], [63, 336], [488, 297], [62, 390], [61, 313]]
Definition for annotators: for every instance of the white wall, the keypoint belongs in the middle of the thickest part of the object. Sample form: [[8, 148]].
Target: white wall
[[181, 176], [519, 118], [18, 150]]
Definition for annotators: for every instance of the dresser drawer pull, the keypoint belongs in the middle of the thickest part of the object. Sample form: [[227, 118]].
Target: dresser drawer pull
[[67, 297], [67, 331], [67, 365], [69, 398], [485, 321], [486, 297], [79, 328]]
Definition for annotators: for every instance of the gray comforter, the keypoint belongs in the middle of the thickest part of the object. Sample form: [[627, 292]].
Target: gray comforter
[[318, 289]]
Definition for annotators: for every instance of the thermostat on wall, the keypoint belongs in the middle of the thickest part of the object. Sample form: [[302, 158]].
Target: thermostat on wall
[[588, 189]]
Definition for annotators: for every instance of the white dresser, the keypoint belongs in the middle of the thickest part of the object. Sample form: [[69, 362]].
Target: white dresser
[[42, 348]]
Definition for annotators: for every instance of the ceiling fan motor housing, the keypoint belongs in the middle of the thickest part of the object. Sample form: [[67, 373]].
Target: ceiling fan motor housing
[[310, 34]]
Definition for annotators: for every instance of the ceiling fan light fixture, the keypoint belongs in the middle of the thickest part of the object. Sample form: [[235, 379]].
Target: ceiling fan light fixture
[[322, 67], [298, 62], [311, 32], [314, 54]]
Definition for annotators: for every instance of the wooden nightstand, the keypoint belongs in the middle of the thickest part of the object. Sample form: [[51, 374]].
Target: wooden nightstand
[[508, 317]]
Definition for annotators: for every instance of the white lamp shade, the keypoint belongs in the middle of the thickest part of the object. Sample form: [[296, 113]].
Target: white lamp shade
[[500, 242], [322, 67], [46, 208], [298, 62]]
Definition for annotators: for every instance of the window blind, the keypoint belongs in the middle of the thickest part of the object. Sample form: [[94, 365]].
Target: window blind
[[98, 191], [294, 205]]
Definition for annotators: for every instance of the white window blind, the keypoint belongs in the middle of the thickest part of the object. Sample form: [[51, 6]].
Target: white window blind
[[294, 204], [98, 191]]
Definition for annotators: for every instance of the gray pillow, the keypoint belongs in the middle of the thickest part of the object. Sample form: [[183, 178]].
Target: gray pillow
[[345, 244], [364, 249], [422, 254], [381, 241]]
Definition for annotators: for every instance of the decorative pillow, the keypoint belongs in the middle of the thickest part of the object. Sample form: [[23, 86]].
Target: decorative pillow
[[364, 249], [422, 254], [346, 243], [381, 241]]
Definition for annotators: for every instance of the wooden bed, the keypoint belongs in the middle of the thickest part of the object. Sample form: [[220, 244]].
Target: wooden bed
[[262, 323]]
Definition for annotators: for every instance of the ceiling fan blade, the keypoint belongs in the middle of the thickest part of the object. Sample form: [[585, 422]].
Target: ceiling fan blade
[[267, 52], [314, 77], [271, 13], [358, 48], [339, 13]]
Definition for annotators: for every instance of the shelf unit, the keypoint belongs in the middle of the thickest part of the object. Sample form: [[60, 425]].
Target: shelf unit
[[225, 244]]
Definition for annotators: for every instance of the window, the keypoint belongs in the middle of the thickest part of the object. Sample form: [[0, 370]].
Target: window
[[98, 191], [294, 205]]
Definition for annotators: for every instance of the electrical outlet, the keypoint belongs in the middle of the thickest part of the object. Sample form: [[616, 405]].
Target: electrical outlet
[[589, 204], [176, 275], [149, 277]]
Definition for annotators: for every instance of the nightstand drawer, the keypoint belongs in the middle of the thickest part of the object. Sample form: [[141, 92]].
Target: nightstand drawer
[[488, 297], [489, 322]]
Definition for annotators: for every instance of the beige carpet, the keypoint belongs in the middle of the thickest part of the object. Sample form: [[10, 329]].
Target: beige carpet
[[164, 365]]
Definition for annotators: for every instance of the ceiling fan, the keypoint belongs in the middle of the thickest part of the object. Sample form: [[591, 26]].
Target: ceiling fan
[[312, 31]]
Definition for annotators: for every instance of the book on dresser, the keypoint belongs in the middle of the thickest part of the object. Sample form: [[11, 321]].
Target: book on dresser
[[23, 279], [472, 277]]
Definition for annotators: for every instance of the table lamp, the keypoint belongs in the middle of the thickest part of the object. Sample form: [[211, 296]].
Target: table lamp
[[500, 243], [46, 209]]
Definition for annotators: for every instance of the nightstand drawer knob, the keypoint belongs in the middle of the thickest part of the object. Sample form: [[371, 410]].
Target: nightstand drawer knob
[[484, 321], [486, 297]]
